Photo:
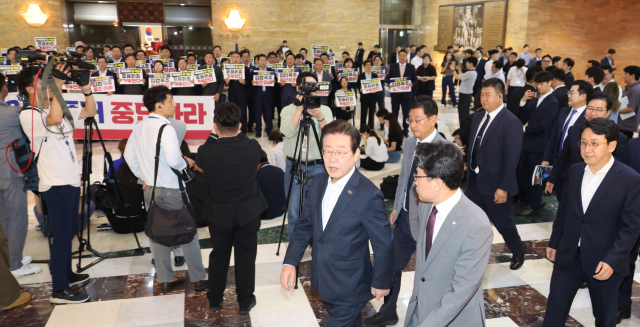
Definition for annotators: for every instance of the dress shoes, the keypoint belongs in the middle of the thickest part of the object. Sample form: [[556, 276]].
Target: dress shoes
[[201, 285], [584, 285], [258, 135], [179, 261], [245, 311], [528, 212], [380, 320], [170, 286], [624, 313], [518, 260]]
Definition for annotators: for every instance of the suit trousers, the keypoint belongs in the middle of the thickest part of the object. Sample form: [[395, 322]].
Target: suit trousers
[[395, 109], [526, 166], [9, 287], [559, 188], [293, 212], [240, 101], [13, 217], [564, 286], [463, 106], [403, 248], [263, 108], [499, 214], [62, 204], [447, 82], [380, 99], [367, 109], [252, 111], [624, 293], [244, 240], [343, 316]]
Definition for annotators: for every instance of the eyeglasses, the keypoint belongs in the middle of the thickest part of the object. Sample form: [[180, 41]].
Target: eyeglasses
[[596, 110], [592, 145], [415, 177], [339, 154], [410, 121]]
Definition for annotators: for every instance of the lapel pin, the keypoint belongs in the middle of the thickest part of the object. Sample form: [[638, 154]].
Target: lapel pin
[[454, 222], [349, 191]]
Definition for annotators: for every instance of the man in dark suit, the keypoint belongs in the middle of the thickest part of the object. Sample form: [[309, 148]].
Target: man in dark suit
[[535, 138], [479, 70], [322, 76], [594, 75], [595, 228], [216, 88], [359, 58], [393, 58], [608, 59], [270, 179], [569, 116], [102, 71], [599, 106], [567, 65], [233, 208], [367, 101], [402, 69], [239, 90], [374, 52], [493, 151], [287, 91], [560, 91], [514, 97], [263, 100], [343, 210]]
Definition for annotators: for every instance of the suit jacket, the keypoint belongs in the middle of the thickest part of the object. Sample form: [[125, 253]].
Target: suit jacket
[[137, 89], [596, 91], [632, 154], [267, 96], [498, 154], [480, 70], [541, 119], [570, 154], [326, 77], [359, 58], [533, 61], [370, 96], [551, 152], [393, 58], [447, 288], [233, 194], [371, 55], [562, 95], [216, 87], [409, 71], [340, 259], [605, 61], [609, 227], [568, 80], [513, 101], [242, 91], [405, 171]]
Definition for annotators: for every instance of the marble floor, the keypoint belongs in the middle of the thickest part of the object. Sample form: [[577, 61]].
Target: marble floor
[[124, 292]]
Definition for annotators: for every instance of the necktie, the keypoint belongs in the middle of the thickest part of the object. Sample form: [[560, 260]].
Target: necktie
[[401, 70], [564, 130], [414, 169], [430, 225], [477, 142]]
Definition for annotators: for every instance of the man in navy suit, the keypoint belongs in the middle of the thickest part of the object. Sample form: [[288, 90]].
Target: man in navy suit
[[342, 211], [567, 65], [608, 59], [594, 75], [599, 106], [569, 116], [239, 90], [543, 112], [493, 150], [595, 228], [402, 69], [102, 72], [263, 100], [480, 71], [359, 58], [560, 90]]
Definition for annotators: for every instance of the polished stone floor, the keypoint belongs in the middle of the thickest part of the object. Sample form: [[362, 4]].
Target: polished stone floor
[[124, 292]]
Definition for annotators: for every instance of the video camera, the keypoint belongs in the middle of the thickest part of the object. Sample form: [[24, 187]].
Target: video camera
[[310, 101], [79, 76]]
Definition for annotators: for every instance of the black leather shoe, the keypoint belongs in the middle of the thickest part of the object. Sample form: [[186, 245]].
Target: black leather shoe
[[584, 285], [214, 309], [179, 261], [624, 313], [528, 212], [250, 129], [258, 135], [380, 320], [244, 311], [201, 285], [170, 286], [518, 260]]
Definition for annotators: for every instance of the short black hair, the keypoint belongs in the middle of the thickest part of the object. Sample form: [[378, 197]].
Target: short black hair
[[596, 72], [594, 63], [555, 59], [526, 45], [449, 47], [285, 41], [165, 47], [469, 51], [633, 70], [324, 54], [129, 46], [26, 78], [316, 60], [402, 50], [185, 59], [106, 46], [441, 160], [217, 46], [116, 47], [376, 46], [227, 117], [602, 126], [583, 88], [303, 77], [480, 50], [3, 82], [101, 57], [558, 74], [340, 126], [569, 62], [427, 104], [543, 77], [520, 63], [192, 55], [382, 112], [473, 60], [132, 55], [260, 56], [359, 43], [498, 64], [144, 53], [531, 73], [495, 83], [368, 61], [80, 46], [153, 95], [298, 56], [604, 98], [245, 51], [547, 56], [611, 51], [348, 60], [498, 46], [275, 136], [492, 52], [271, 53], [607, 67], [346, 52], [263, 157], [538, 49], [305, 50]]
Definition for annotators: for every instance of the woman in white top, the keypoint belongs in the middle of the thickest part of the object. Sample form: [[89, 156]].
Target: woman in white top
[[375, 150], [517, 76], [276, 154]]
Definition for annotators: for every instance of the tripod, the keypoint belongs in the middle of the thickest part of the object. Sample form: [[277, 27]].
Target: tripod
[[87, 154], [298, 170]]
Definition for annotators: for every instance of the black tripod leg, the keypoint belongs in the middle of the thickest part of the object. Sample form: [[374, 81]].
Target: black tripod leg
[[292, 172]]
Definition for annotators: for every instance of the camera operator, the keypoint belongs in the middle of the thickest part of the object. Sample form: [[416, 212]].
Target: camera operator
[[13, 199], [291, 116], [51, 136]]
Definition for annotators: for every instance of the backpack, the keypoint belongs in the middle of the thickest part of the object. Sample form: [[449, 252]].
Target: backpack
[[388, 186]]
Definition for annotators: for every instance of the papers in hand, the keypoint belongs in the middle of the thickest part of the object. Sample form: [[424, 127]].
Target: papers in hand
[[540, 174]]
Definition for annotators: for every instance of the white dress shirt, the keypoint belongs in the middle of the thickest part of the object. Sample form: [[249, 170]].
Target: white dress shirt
[[487, 69], [492, 115], [444, 209], [320, 75], [102, 74], [499, 75], [517, 77], [375, 151], [141, 151], [428, 139], [277, 158], [331, 196], [590, 184], [542, 97], [416, 61]]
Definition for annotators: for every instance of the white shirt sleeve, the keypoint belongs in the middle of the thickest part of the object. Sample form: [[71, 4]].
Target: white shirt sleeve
[[131, 159], [171, 149]]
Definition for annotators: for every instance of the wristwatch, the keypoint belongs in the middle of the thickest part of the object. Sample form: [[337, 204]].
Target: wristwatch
[[321, 119], [90, 93]]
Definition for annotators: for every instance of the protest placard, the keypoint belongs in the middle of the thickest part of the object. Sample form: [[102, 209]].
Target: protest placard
[[380, 71], [323, 89], [288, 75], [103, 84], [131, 76], [400, 84], [46, 43], [163, 79], [346, 100], [318, 50], [350, 73], [264, 78], [232, 71], [371, 85], [181, 79], [204, 76]]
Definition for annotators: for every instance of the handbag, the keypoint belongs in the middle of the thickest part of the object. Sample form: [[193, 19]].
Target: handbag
[[169, 227]]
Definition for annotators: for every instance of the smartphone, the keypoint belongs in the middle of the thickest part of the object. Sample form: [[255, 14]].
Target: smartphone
[[536, 95]]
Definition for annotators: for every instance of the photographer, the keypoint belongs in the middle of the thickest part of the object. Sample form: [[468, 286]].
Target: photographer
[[51, 136], [291, 116]]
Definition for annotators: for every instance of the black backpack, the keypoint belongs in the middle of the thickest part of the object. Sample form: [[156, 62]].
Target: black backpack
[[388, 186]]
